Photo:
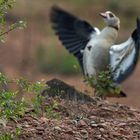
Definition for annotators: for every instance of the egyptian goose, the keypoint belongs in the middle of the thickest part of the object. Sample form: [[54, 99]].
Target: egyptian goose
[[95, 49]]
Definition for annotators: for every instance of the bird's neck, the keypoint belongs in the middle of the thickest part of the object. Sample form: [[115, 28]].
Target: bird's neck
[[110, 34]]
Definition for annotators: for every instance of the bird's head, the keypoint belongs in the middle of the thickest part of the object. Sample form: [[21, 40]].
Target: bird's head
[[111, 19]]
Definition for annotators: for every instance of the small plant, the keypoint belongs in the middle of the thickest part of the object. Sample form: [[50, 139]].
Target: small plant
[[18, 132], [39, 105], [5, 5], [10, 108], [46, 107], [7, 136], [28, 86], [51, 110], [103, 84], [10, 135], [37, 88]]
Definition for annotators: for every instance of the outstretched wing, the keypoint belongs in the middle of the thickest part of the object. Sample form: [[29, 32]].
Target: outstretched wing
[[124, 57], [73, 32]]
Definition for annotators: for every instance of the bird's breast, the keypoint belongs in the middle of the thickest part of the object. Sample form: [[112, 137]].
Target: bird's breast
[[95, 57]]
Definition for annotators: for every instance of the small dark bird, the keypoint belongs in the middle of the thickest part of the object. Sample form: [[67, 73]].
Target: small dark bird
[[95, 49]]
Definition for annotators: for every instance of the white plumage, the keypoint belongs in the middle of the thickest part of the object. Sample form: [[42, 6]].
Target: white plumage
[[122, 57]]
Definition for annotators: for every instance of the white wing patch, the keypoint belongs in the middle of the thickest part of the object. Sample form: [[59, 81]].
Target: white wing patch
[[122, 57], [95, 33], [97, 30]]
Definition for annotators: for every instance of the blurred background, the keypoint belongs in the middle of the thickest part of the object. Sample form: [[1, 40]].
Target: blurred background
[[36, 53]]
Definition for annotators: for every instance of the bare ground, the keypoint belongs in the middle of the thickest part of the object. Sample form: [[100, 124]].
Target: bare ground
[[91, 121], [94, 119]]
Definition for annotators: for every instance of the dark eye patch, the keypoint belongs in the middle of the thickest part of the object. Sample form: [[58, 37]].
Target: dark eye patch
[[111, 15]]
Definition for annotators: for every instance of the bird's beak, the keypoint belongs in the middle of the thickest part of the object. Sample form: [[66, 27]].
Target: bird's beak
[[104, 15]]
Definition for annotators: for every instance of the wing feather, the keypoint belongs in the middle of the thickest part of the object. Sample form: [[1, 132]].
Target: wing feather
[[124, 57], [73, 32]]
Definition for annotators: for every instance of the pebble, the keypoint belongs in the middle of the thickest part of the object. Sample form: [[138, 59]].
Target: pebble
[[106, 136], [39, 132], [26, 126], [43, 119], [93, 124], [122, 124], [102, 125], [93, 117], [124, 132], [84, 133], [77, 138], [102, 130], [81, 123], [70, 132], [57, 128], [33, 130], [40, 128]]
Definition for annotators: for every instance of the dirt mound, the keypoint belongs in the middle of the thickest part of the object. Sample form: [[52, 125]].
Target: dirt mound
[[72, 120], [59, 88]]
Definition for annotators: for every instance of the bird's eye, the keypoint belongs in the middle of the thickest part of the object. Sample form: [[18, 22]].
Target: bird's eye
[[111, 15]]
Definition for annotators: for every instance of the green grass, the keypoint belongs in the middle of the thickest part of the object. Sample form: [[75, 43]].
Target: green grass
[[6, 136], [11, 136]]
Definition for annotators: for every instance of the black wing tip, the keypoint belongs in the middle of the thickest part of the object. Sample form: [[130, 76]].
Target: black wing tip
[[53, 11], [138, 23], [61, 17], [55, 8], [138, 27], [136, 32], [138, 20], [56, 13], [122, 94]]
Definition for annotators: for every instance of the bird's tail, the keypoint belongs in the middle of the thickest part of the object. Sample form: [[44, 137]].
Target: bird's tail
[[114, 95], [122, 94]]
